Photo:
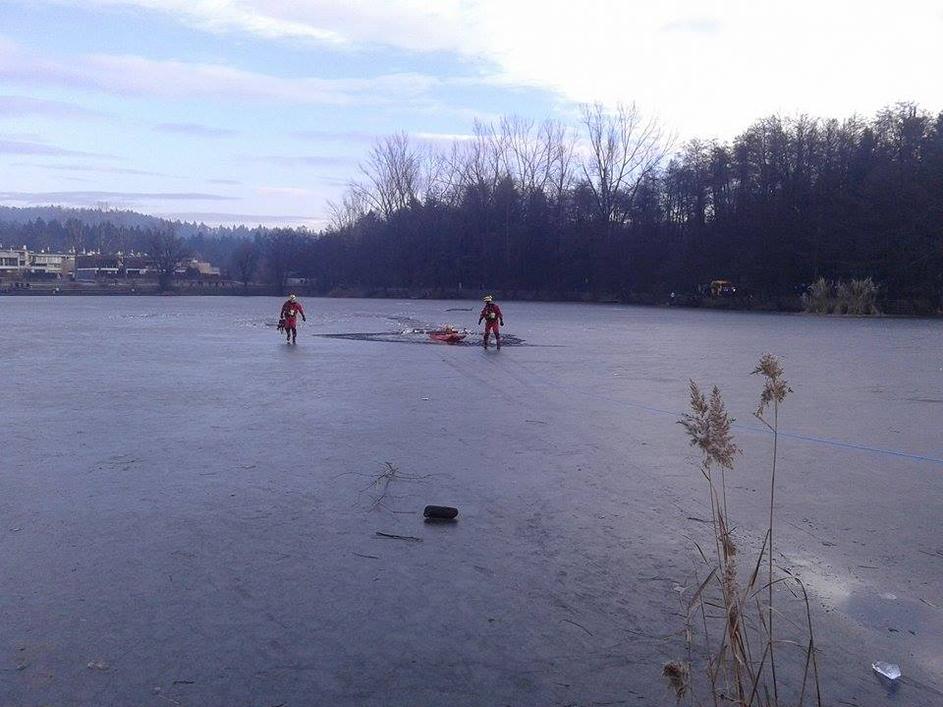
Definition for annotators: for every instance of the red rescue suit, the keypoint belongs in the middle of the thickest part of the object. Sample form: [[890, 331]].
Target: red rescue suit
[[290, 311], [491, 314]]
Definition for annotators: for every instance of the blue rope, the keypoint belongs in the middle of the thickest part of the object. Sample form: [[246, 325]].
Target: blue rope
[[791, 435], [802, 437], [849, 445]]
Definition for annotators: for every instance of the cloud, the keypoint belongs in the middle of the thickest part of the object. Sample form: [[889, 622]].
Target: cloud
[[25, 137], [92, 197], [293, 192], [19, 106], [418, 25], [710, 68], [443, 137], [304, 160], [92, 168], [334, 135], [194, 129], [698, 25], [19, 147], [224, 16], [353, 136], [129, 75], [231, 182], [706, 67]]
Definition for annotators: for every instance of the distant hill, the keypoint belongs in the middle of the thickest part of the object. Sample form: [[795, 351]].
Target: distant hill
[[121, 219], [53, 228], [90, 217]]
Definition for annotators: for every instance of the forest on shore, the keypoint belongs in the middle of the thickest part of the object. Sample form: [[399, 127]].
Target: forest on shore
[[609, 208]]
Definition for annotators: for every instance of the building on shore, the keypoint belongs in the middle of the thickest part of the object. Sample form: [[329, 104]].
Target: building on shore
[[197, 269], [91, 267], [58, 265], [13, 261], [136, 266], [20, 263]]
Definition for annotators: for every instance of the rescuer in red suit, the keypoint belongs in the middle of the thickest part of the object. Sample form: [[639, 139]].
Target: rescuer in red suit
[[493, 319], [289, 318]]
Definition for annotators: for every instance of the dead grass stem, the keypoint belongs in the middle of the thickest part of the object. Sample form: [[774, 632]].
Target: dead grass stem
[[732, 673]]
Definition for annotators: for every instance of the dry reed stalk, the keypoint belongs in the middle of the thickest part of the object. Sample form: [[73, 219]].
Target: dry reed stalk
[[733, 674], [775, 390]]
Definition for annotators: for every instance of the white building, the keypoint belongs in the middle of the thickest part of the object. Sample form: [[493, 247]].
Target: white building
[[201, 266], [207, 269], [13, 261], [55, 263]]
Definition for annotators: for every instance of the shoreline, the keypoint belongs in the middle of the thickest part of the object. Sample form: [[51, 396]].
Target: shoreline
[[783, 305]]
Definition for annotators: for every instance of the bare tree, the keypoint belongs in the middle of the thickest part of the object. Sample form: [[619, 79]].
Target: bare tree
[[524, 158], [346, 214], [166, 251], [393, 175], [439, 177], [560, 147], [537, 157], [448, 173], [479, 163], [623, 150]]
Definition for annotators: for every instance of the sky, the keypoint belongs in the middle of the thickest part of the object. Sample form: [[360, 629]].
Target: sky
[[259, 111]]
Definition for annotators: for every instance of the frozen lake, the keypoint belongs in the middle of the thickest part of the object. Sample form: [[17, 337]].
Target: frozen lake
[[188, 517]]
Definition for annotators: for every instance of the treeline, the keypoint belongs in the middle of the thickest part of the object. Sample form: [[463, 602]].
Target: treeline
[[607, 209], [610, 210]]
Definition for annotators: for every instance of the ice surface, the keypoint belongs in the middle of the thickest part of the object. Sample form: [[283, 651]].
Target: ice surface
[[191, 502]]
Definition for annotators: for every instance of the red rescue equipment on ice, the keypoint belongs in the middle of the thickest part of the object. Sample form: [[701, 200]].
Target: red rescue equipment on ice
[[447, 335]]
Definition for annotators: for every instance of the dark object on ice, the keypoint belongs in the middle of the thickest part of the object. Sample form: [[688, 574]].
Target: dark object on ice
[[410, 538], [281, 325], [440, 513]]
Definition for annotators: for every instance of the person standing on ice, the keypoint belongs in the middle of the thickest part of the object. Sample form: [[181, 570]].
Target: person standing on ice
[[290, 311], [492, 317]]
